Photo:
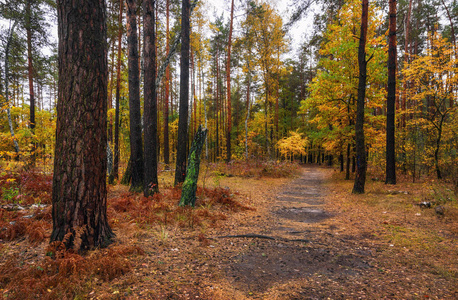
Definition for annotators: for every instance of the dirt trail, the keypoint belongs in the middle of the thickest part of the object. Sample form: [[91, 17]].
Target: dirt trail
[[301, 202], [313, 253], [297, 252]]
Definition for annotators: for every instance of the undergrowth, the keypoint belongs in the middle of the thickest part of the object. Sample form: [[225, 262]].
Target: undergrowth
[[66, 275], [26, 212], [256, 168], [57, 273], [163, 209], [25, 187]]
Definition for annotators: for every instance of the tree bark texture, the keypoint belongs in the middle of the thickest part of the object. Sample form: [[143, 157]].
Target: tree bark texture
[[180, 170], [188, 192], [136, 145], [150, 99], [79, 194], [391, 99], [361, 164], [127, 176]]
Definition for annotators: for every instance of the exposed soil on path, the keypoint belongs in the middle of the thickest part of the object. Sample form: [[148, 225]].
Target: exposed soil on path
[[305, 251], [295, 252]]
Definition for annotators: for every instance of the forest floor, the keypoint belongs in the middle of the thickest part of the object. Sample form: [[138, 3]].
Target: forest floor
[[300, 237]]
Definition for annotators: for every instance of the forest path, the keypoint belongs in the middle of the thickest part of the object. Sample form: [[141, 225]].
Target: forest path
[[301, 244], [300, 203]]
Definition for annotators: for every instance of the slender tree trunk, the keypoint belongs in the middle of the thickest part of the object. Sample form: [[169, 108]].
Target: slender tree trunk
[[79, 193], [341, 160], [452, 38], [391, 99], [167, 91], [180, 170], [150, 99], [136, 146], [347, 172], [452, 28], [277, 99], [118, 87], [228, 85], [139, 39], [438, 144], [110, 85], [158, 107], [248, 109], [266, 115], [192, 108], [30, 75], [110, 93], [361, 164], [205, 117], [403, 100], [7, 75], [217, 104]]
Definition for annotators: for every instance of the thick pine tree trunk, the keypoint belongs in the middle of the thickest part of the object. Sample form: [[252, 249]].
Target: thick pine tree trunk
[[188, 192], [361, 164], [180, 170], [150, 99], [136, 145], [391, 99], [79, 193]]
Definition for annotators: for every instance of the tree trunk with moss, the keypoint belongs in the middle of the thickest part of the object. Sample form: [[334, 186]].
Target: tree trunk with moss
[[188, 192]]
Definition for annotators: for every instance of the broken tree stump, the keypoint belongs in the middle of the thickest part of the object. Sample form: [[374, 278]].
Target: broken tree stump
[[188, 191]]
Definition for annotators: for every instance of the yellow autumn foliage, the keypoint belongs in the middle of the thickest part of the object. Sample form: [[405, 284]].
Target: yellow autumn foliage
[[292, 145]]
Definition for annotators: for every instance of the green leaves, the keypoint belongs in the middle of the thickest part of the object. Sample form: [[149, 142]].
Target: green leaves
[[331, 105]]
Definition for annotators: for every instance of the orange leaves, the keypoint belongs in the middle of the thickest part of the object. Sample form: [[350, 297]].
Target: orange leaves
[[162, 209]]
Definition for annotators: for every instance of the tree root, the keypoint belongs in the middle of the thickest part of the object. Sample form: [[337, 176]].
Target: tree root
[[260, 236]]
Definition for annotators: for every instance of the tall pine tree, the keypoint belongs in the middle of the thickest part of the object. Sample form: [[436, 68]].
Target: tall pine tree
[[180, 170], [79, 193]]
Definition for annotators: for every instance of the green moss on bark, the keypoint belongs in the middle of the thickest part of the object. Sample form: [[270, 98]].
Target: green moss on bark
[[188, 192]]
